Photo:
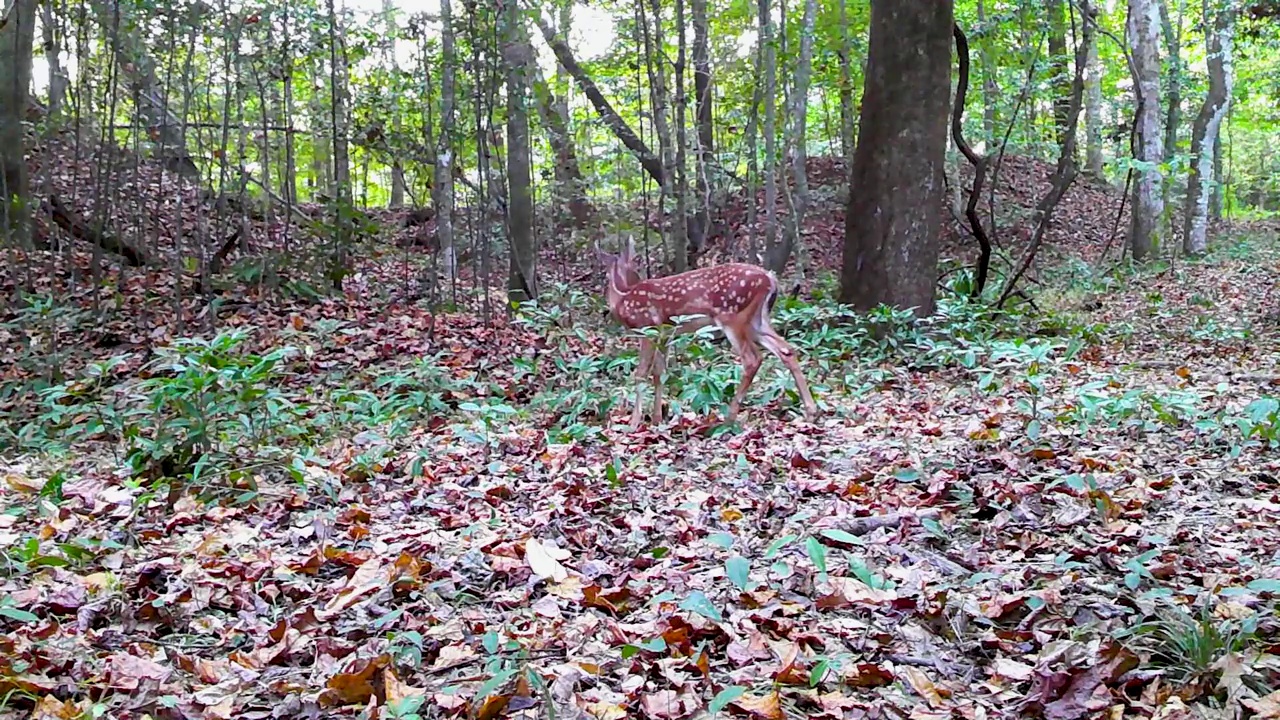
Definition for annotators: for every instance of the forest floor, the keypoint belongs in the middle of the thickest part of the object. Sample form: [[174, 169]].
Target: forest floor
[[1066, 512]]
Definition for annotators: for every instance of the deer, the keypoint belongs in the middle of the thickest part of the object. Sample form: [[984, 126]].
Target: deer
[[734, 297]]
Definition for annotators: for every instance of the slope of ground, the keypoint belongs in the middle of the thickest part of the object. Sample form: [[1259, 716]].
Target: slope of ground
[[394, 511]]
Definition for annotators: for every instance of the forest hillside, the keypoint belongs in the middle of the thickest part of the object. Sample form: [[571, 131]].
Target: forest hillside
[[662, 359]]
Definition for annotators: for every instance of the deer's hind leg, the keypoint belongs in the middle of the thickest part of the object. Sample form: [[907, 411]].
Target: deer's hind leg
[[773, 342]]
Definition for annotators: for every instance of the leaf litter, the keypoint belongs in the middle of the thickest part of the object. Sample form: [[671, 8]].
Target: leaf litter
[[920, 551]]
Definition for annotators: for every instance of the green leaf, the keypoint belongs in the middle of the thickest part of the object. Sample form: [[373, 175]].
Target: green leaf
[[738, 569], [1267, 585], [777, 545], [842, 536], [699, 603], [20, 615], [490, 642], [819, 669], [723, 698], [817, 553], [722, 539]]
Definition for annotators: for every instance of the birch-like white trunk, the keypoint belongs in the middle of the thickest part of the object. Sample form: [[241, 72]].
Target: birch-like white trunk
[[1148, 205], [1204, 136]]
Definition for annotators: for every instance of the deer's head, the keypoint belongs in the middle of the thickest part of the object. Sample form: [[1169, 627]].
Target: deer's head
[[621, 270]]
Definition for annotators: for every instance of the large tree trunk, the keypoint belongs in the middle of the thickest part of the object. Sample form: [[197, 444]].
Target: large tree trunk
[[798, 107], [1204, 136], [442, 188], [1148, 205], [522, 281], [17, 38], [1093, 114], [685, 248], [894, 217]]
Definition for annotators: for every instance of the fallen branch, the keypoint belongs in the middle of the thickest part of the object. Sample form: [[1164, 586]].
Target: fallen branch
[[75, 226], [864, 525]]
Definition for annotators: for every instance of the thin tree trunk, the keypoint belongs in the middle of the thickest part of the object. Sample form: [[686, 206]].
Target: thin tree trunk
[[685, 248], [1148, 205], [847, 113], [339, 260], [1061, 67], [894, 217], [706, 128], [1093, 114], [1173, 110], [1219, 180], [770, 128], [753, 154], [661, 122], [990, 90], [17, 40], [798, 107], [58, 79], [1204, 137], [651, 163], [442, 188], [522, 280]]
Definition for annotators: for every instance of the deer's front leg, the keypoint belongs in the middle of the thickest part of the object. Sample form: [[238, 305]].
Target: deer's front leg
[[643, 369], [659, 368]]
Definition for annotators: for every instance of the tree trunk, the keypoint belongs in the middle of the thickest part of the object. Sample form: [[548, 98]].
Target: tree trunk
[[442, 188], [1148, 205], [339, 260], [1219, 180], [1204, 136], [522, 281], [685, 248], [1173, 109], [990, 90], [17, 39], [706, 128], [570, 185], [140, 70], [770, 128], [650, 162], [1060, 62], [893, 221], [798, 107], [847, 113], [1093, 114], [661, 100], [58, 80]]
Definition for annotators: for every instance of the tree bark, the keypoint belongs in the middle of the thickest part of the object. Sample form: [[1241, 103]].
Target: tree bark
[[17, 39], [1093, 114], [140, 71], [770, 170], [847, 113], [571, 186], [1061, 67], [442, 188], [1148, 204], [1204, 136], [990, 90], [893, 219], [706, 128], [685, 248], [798, 108], [58, 79], [650, 162], [522, 280]]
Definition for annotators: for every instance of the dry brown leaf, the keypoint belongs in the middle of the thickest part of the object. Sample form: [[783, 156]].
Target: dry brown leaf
[[763, 707]]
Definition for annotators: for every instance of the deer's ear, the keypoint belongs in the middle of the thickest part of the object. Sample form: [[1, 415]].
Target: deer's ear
[[629, 250], [603, 257]]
